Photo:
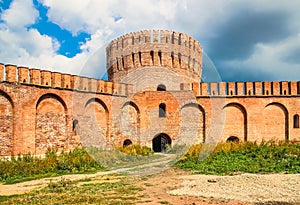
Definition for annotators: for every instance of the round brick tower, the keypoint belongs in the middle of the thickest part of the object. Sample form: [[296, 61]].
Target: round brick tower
[[155, 57]]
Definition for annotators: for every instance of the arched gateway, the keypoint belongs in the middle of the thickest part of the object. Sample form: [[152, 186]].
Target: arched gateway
[[160, 142]]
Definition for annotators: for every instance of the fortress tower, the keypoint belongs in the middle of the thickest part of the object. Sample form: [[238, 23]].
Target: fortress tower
[[154, 97], [153, 57]]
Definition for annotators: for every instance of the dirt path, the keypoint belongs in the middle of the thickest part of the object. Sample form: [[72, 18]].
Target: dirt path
[[143, 169], [164, 185]]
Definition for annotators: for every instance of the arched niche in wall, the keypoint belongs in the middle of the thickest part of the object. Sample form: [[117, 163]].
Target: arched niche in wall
[[94, 124], [275, 122], [6, 124], [51, 123], [130, 121], [192, 124], [236, 122], [296, 121]]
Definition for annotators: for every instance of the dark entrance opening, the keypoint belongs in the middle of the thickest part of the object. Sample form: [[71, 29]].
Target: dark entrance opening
[[127, 143], [233, 139], [160, 142]]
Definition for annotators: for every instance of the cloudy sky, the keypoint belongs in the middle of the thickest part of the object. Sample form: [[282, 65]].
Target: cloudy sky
[[250, 40]]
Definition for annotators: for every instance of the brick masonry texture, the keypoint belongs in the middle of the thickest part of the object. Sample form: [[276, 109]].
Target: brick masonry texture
[[41, 109]]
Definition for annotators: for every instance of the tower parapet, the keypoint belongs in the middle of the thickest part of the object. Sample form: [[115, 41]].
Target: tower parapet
[[174, 51]]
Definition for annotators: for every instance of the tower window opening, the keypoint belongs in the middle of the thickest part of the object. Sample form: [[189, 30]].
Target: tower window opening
[[296, 121], [161, 87], [159, 56], [179, 40], [132, 55], [152, 57], [140, 58], [123, 62], [172, 56], [173, 38], [179, 59], [74, 127], [117, 63], [162, 110]]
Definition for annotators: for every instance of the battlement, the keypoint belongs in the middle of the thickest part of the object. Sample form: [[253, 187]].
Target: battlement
[[231, 89], [172, 50], [24, 75]]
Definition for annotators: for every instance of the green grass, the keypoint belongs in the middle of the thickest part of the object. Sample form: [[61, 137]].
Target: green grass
[[28, 167], [115, 191], [230, 158]]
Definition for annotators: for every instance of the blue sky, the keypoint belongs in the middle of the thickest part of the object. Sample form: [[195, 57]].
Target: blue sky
[[246, 40]]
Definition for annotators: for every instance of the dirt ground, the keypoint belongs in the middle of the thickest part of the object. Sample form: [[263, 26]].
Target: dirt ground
[[174, 186], [163, 184]]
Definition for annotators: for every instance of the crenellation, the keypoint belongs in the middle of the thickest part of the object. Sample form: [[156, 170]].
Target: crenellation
[[285, 88], [11, 73], [267, 88], [56, 79], [35, 76], [84, 83], [214, 90], [46, 78], [100, 86], [156, 38], [293, 86], [195, 88], [2, 71], [240, 89], [276, 87], [66, 81], [34, 117], [204, 89], [148, 48], [93, 85], [23, 75], [75, 82], [250, 88], [258, 88], [231, 88], [222, 88]]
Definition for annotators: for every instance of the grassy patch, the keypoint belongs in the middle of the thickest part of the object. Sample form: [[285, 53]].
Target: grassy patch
[[119, 190], [122, 157], [229, 158], [28, 167]]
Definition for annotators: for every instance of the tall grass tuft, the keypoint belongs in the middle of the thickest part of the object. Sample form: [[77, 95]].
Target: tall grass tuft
[[230, 158], [26, 167]]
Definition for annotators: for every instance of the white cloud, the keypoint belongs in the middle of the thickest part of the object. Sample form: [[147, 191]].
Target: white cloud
[[25, 46], [21, 13]]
